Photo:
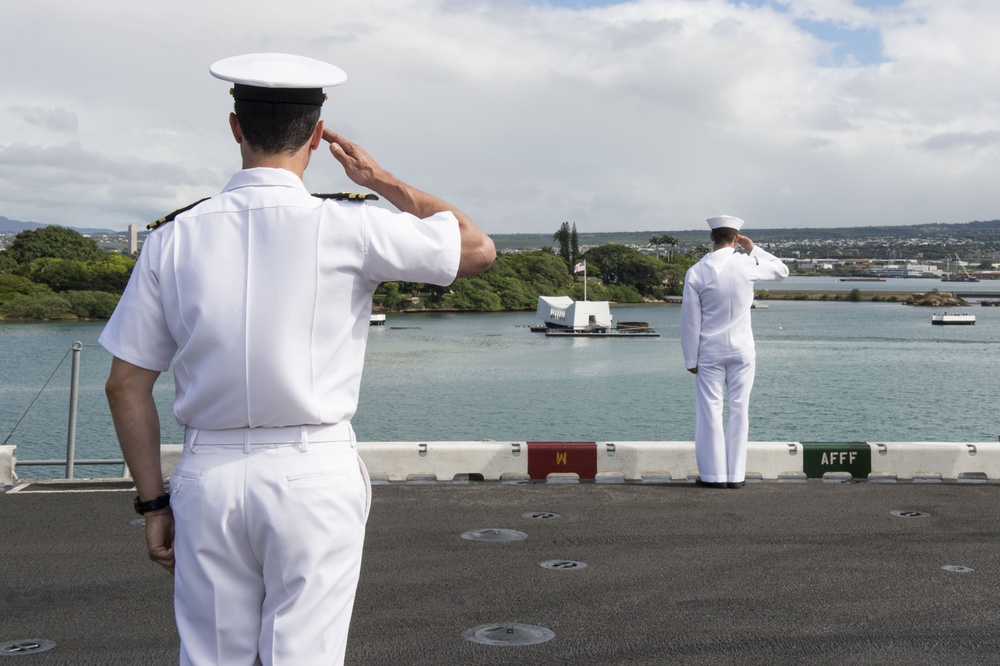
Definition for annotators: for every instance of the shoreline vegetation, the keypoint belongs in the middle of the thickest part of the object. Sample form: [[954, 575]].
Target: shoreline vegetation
[[943, 299], [56, 274], [921, 299]]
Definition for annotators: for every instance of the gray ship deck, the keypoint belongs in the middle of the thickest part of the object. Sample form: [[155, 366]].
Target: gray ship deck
[[807, 572]]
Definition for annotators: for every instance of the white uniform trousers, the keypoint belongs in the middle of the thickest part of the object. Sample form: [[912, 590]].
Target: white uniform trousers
[[722, 452], [269, 528]]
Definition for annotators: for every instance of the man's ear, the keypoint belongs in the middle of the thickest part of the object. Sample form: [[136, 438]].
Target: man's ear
[[234, 125], [317, 136]]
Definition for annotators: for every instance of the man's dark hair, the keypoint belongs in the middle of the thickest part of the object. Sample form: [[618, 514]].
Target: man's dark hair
[[276, 127], [724, 235]]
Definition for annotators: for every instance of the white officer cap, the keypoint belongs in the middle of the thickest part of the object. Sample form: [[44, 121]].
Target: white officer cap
[[278, 77], [725, 221]]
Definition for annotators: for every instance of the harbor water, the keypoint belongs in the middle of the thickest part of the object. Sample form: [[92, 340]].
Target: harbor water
[[827, 371]]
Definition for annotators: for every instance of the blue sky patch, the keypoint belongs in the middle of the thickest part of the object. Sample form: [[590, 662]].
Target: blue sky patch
[[851, 46], [579, 4]]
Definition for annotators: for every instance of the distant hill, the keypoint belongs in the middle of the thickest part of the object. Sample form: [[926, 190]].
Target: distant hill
[[978, 230], [8, 226], [971, 230]]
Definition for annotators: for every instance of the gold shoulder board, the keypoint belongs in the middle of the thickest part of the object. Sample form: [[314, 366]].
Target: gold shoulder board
[[347, 196], [169, 218]]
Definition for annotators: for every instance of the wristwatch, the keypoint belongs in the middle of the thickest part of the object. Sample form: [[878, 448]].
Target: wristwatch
[[161, 502]]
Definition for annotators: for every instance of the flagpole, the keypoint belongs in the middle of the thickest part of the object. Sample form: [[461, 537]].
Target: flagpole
[[585, 280]]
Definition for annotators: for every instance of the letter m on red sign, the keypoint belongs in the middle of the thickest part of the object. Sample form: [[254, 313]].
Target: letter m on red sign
[[544, 458]]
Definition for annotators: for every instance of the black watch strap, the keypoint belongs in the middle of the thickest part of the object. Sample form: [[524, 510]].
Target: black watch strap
[[161, 502]]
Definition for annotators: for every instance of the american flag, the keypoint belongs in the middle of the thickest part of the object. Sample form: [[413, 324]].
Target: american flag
[[580, 267]]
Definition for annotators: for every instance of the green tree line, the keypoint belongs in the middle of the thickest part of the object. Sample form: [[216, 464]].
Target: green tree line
[[56, 273], [515, 281]]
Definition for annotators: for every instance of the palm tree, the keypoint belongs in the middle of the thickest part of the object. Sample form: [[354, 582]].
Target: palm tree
[[657, 241]]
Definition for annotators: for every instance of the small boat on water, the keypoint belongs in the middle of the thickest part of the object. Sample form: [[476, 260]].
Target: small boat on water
[[953, 319], [377, 320], [862, 279]]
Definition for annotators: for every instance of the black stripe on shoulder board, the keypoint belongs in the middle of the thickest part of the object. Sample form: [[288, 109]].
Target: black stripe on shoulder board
[[170, 218], [348, 196]]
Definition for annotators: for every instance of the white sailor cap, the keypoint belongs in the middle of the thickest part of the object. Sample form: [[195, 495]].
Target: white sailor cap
[[278, 77], [725, 221]]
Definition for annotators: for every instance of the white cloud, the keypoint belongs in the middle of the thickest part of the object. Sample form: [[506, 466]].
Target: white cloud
[[650, 115]]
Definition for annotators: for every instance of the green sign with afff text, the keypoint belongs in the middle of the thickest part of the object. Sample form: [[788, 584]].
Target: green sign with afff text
[[822, 457]]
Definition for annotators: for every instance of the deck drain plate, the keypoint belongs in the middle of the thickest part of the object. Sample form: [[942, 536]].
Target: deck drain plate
[[562, 565], [540, 515], [957, 568], [910, 514], [25, 646], [494, 534], [512, 633]]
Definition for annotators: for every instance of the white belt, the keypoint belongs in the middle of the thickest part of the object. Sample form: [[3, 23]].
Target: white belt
[[246, 437]]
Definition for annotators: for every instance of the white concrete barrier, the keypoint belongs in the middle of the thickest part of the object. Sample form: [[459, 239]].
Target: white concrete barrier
[[170, 455], [638, 460], [650, 459], [950, 460], [444, 460], [772, 460], [7, 464], [399, 460]]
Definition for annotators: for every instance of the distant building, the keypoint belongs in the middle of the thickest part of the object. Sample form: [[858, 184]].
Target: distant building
[[904, 268], [133, 239]]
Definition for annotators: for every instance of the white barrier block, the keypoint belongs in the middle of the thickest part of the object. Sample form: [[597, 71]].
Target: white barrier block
[[445, 460], [7, 464], [948, 459], [170, 455], [766, 460], [773, 459], [984, 457], [395, 461], [636, 459]]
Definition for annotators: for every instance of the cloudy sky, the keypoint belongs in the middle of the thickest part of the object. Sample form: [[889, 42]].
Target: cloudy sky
[[615, 115]]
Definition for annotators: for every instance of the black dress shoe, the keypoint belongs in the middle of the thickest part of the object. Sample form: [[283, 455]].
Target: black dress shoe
[[706, 484], [738, 484]]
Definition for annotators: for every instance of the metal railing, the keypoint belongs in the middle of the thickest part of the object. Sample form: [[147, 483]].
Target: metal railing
[[70, 462]]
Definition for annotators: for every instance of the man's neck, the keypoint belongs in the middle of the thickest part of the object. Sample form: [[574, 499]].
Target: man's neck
[[295, 162]]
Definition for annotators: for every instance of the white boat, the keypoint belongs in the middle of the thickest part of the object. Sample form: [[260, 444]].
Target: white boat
[[953, 319], [377, 320]]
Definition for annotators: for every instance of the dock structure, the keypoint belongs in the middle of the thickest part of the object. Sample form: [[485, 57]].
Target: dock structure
[[810, 571]]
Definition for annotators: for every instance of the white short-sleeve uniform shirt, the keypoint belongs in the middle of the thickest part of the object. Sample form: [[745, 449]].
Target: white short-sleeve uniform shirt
[[718, 293], [261, 296]]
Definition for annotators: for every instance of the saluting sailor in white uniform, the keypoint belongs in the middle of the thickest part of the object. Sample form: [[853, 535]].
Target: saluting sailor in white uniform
[[260, 297], [718, 347]]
